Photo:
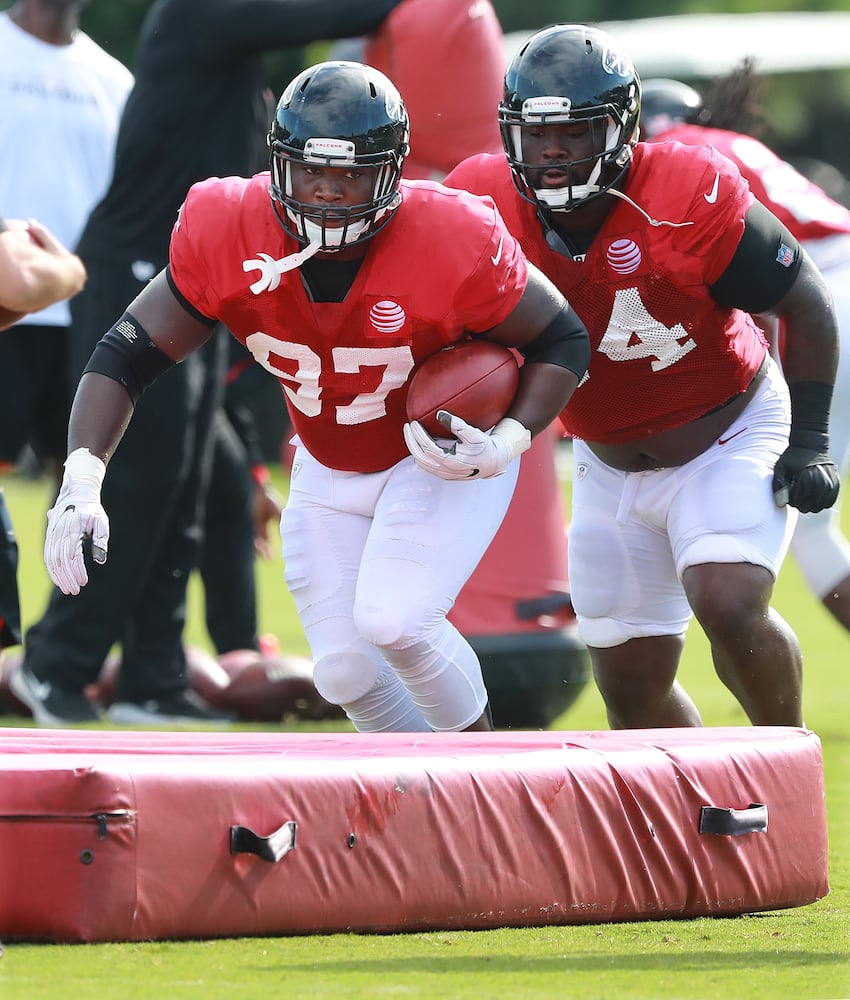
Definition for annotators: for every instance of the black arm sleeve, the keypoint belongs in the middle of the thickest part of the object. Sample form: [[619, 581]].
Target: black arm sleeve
[[564, 342], [764, 267], [127, 354]]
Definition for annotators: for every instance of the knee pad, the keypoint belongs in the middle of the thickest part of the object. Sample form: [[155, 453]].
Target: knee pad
[[341, 678], [382, 625]]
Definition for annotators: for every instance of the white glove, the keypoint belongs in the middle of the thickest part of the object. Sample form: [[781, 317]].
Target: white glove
[[76, 513], [475, 453]]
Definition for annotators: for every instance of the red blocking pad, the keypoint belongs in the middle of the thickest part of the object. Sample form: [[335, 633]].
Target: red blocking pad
[[126, 836]]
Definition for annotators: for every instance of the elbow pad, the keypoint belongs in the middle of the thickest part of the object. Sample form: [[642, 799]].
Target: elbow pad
[[127, 354], [564, 342]]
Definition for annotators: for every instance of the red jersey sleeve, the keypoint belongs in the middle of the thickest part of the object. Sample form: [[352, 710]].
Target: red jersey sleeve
[[493, 288], [705, 199], [190, 240], [457, 242]]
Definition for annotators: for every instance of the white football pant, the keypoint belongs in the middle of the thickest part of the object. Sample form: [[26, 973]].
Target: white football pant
[[633, 534], [374, 563]]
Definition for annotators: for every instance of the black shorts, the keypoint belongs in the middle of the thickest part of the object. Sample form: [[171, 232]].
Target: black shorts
[[10, 609], [34, 393]]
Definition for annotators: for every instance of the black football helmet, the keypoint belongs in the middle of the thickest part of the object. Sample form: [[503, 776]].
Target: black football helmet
[[335, 114], [568, 73], [664, 102]]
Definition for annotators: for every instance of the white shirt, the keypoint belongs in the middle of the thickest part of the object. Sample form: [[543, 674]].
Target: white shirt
[[59, 111]]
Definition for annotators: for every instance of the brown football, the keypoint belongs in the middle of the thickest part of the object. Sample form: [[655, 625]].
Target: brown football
[[475, 380], [272, 688]]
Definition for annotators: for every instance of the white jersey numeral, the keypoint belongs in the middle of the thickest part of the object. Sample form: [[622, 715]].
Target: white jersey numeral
[[632, 333], [306, 393], [397, 363]]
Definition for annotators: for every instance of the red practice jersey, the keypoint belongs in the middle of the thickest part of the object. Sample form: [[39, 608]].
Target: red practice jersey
[[807, 211], [663, 351], [443, 267]]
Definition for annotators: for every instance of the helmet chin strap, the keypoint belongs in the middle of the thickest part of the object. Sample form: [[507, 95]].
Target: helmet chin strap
[[297, 259], [271, 269]]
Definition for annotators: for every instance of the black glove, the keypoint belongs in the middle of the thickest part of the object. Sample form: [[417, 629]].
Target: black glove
[[804, 475]]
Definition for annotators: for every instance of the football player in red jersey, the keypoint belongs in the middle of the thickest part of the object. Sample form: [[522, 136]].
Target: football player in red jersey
[[525, 659], [684, 471], [340, 286], [673, 111]]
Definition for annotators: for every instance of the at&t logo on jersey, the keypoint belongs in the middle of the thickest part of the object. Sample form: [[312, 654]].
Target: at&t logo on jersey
[[625, 254], [387, 317]]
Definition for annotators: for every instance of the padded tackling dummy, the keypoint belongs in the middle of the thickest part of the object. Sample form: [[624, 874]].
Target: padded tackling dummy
[[125, 836], [452, 112]]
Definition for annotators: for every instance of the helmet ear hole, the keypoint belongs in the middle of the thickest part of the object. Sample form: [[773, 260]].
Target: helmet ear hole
[[339, 114]]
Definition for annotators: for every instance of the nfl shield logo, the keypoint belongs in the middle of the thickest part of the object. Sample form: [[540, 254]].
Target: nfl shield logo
[[582, 470], [785, 256]]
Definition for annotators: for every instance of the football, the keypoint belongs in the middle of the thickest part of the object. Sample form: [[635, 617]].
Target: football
[[475, 380], [272, 688]]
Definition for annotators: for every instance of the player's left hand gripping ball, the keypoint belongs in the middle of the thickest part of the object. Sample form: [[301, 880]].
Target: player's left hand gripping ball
[[77, 513], [475, 453]]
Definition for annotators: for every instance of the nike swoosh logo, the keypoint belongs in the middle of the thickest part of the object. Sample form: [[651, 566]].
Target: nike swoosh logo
[[712, 198], [727, 440], [498, 255]]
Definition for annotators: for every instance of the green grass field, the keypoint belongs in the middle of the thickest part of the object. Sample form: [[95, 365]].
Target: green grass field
[[798, 954]]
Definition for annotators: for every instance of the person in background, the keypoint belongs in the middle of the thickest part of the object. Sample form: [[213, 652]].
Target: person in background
[[317, 267], [61, 96], [692, 455], [674, 111], [432, 50], [35, 270], [241, 508], [199, 108]]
